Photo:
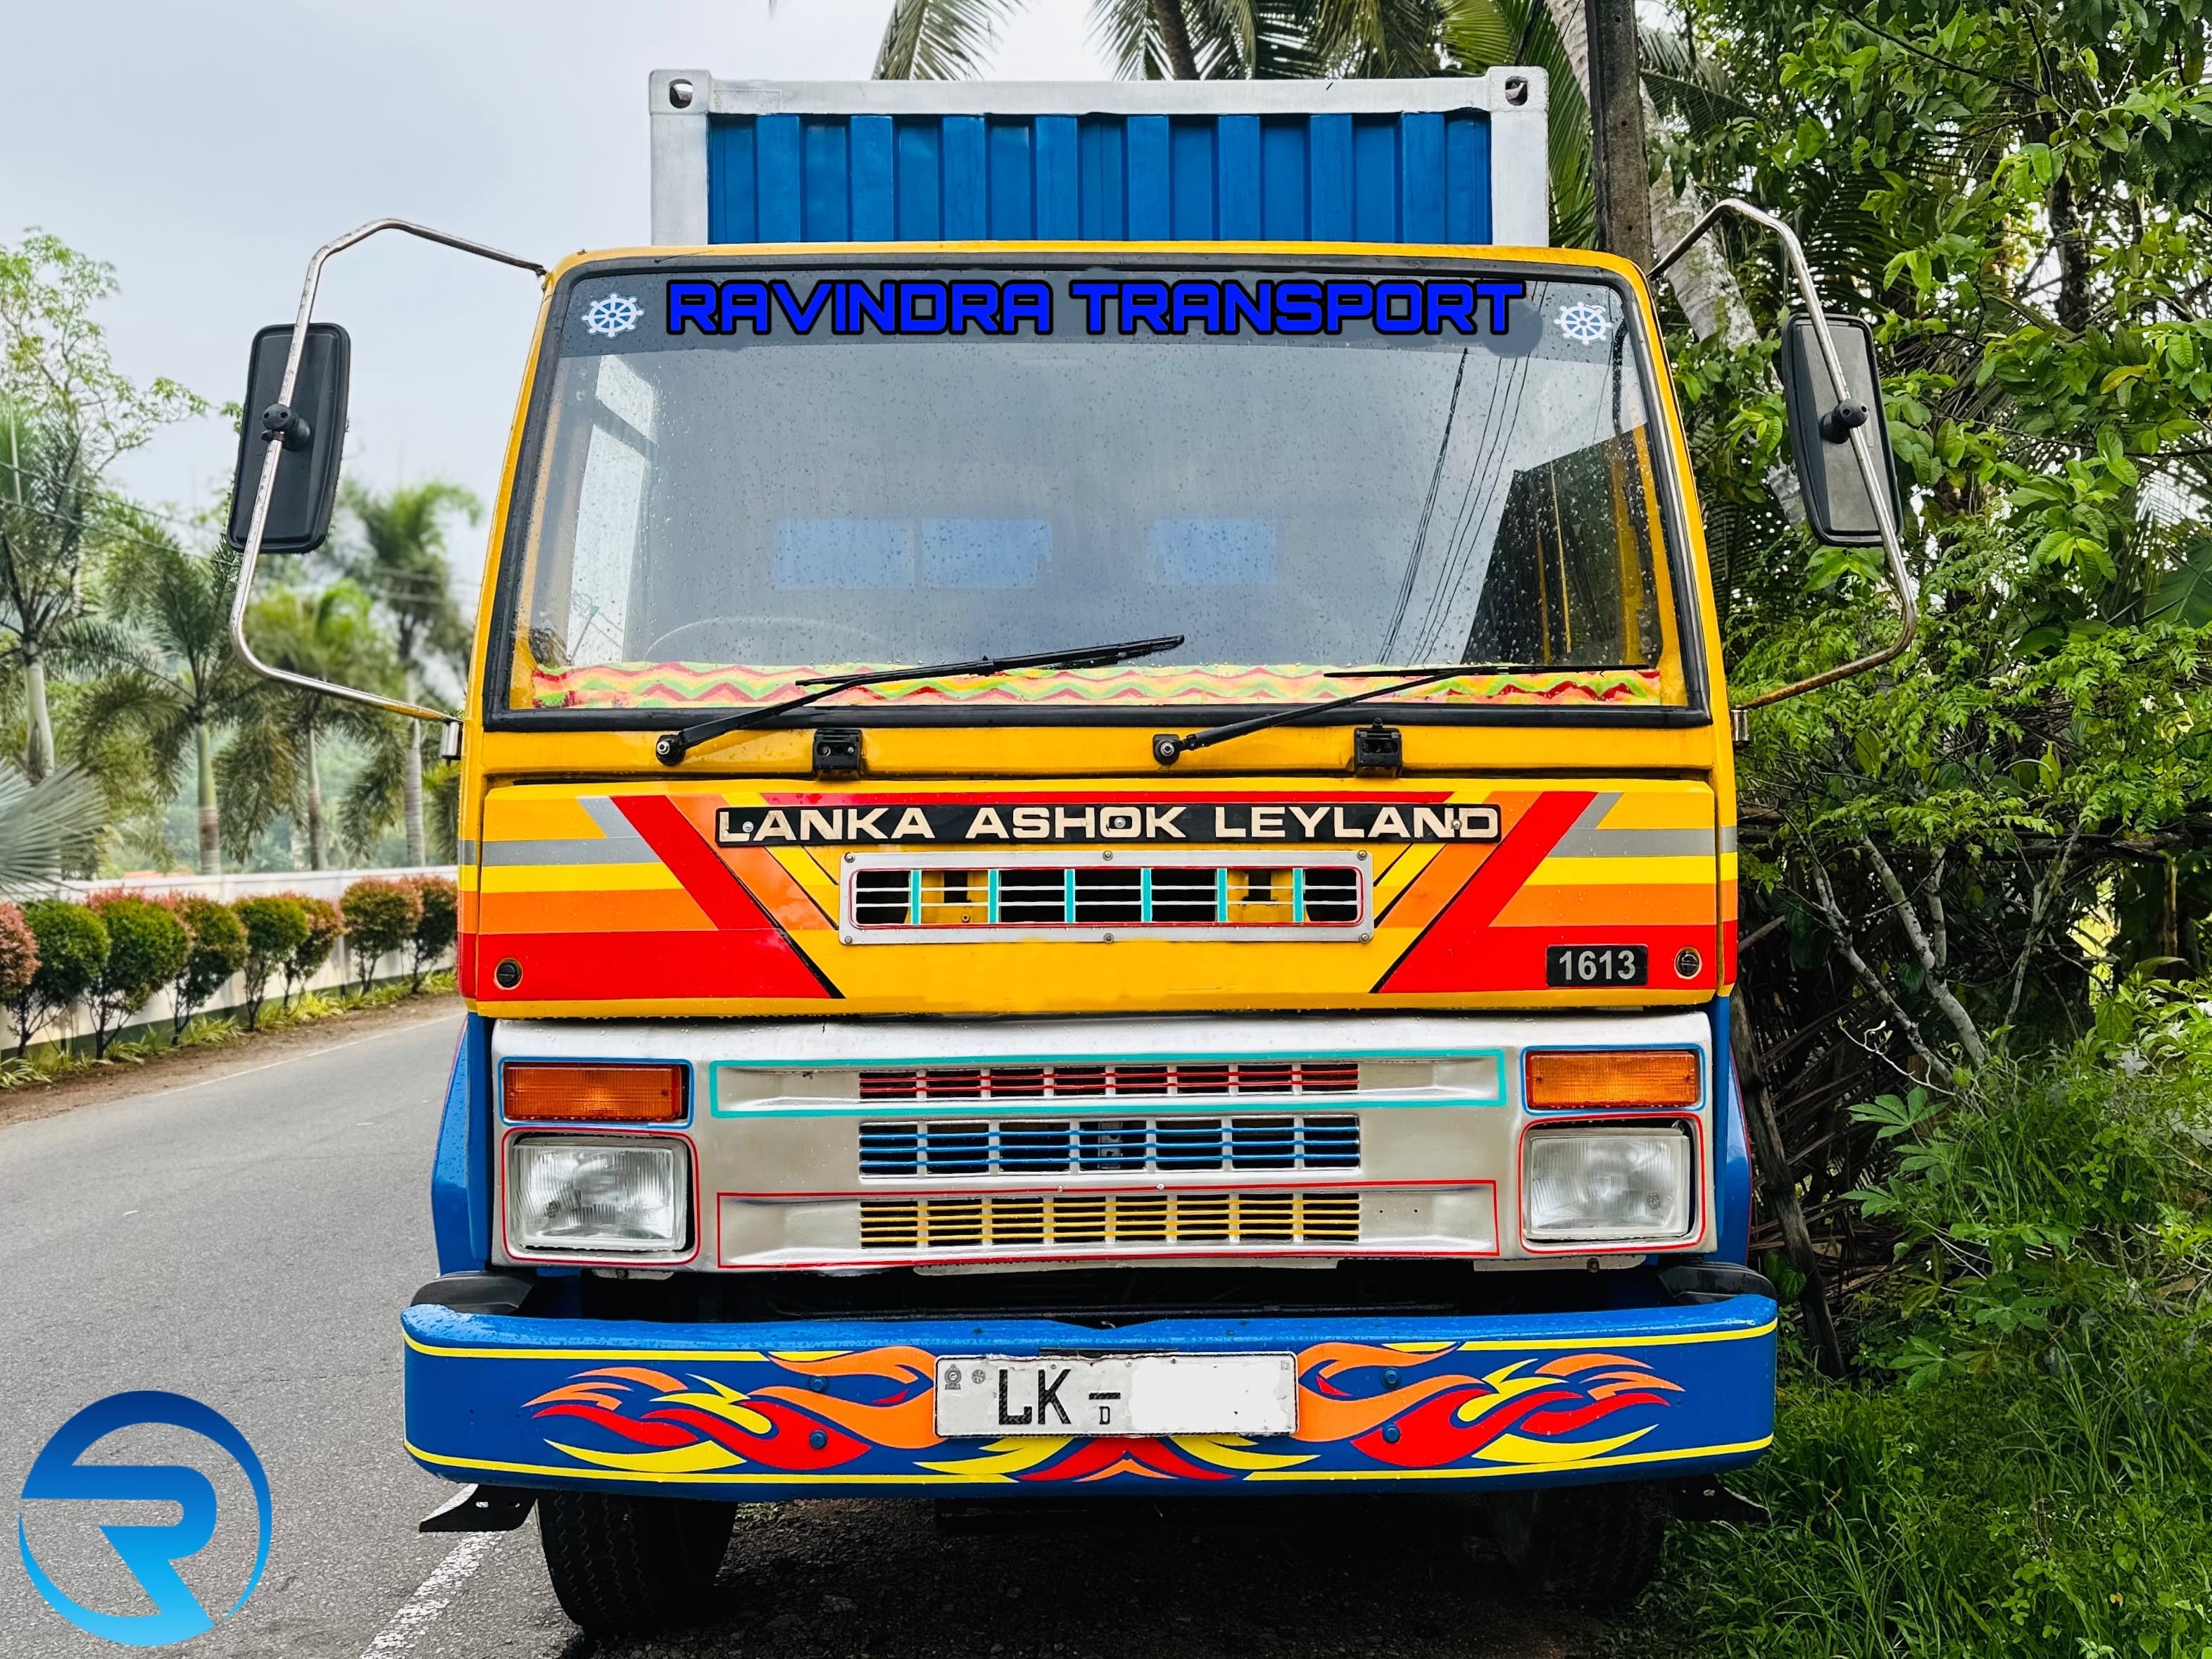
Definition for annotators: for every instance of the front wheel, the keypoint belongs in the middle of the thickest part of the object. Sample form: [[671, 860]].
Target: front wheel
[[623, 1564], [1598, 1546]]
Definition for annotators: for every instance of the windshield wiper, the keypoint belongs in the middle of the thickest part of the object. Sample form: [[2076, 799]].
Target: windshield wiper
[[1168, 748], [672, 746]]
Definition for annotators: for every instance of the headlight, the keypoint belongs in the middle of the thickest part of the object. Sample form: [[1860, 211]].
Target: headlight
[[1594, 1184], [589, 1195]]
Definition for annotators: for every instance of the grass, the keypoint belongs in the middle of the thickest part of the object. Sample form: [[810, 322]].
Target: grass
[[2024, 1466], [58, 1063]]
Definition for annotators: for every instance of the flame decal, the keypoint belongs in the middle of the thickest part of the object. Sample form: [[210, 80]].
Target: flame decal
[[1409, 1407], [1404, 1406], [701, 1424]]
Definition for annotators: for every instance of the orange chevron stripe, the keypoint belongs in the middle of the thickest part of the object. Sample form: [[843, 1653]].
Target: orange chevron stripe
[[662, 910]]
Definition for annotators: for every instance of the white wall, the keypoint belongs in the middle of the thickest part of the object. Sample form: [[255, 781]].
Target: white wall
[[157, 1014]]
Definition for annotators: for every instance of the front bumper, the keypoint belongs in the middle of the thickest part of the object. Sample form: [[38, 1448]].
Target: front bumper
[[839, 1408]]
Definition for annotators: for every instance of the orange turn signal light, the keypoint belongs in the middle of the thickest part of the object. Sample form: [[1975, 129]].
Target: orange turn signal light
[[545, 1092], [1560, 1078]]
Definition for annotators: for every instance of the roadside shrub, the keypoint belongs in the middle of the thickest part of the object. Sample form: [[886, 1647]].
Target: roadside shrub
[[2022, 1467], [325, 928], [72, 946], [18, 954], [381, 916], [147, 947], [435, 929], [218, 950], [274, 927]]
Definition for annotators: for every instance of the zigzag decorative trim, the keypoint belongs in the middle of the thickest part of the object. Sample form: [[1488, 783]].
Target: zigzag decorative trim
[[672, 685]]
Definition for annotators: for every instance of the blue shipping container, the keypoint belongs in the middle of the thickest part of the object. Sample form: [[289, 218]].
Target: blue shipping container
[[1445, 160]]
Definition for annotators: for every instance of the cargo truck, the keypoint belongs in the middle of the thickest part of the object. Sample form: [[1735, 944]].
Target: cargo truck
[[1096, 833]]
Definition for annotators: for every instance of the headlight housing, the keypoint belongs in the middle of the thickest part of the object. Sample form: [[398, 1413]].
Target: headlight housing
[[1592, 1185], [569, 1196]]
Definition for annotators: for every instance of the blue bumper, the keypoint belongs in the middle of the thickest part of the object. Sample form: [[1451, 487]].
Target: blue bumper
[[838, 1408]]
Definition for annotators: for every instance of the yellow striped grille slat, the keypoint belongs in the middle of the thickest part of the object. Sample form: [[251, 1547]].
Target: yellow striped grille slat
[[1108, 1220]]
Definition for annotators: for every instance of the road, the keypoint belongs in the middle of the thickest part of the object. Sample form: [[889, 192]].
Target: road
[[248, 1240]]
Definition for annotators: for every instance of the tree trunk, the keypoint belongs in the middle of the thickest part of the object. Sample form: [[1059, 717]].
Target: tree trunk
[[314, 806], [1703, 284], [410, 793], [1620, 174], [210, 818], [39, 749], [1174, 40]]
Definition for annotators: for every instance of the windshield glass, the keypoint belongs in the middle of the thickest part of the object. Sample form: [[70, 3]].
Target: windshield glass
[[746, 479]]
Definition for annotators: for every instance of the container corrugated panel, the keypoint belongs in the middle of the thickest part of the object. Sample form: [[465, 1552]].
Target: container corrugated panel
[[1142, 178], [1424, 161]]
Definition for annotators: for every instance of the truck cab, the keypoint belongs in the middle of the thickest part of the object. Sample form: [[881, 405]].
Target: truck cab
[[1097, 844]]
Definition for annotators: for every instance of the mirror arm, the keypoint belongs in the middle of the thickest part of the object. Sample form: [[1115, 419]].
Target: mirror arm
[[283, 428], [1876, 482]]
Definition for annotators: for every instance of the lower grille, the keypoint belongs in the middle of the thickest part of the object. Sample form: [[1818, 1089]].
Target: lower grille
[[1109, 1220]]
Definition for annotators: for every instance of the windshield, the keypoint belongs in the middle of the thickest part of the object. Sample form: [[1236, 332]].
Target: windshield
[[746, 479]]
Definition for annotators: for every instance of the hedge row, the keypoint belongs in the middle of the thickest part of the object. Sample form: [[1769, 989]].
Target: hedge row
[[113, 952]]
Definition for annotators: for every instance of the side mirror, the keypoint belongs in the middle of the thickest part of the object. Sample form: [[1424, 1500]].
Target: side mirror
[[310, 427], [1838, 508]]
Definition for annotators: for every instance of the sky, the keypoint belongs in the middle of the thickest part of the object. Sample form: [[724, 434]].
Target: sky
[[205, 150]]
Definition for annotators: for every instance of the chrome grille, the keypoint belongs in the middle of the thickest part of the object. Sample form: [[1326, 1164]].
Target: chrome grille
[[1113, 1078], [1108, 1220], [984, 1146]]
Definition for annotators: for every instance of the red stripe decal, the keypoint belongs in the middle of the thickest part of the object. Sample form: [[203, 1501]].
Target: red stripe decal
[[780, 969], [679, 846], [697, 966], [1447, 956]]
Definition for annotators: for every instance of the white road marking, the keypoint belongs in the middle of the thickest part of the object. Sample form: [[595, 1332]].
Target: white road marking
[[413, 1621]]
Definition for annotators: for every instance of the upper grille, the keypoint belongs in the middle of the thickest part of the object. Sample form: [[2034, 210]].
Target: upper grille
[[1108, 1220], [901, 897], [1113, 1078], [960, 1147]]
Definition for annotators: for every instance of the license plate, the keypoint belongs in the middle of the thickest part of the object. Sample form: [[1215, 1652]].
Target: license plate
[[1251, 1394]]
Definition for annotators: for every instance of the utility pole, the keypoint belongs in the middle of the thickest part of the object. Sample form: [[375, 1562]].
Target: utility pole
[[1618, 167]]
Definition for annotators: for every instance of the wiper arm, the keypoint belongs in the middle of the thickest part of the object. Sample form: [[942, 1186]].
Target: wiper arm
[[1168, 748], [672, 746]]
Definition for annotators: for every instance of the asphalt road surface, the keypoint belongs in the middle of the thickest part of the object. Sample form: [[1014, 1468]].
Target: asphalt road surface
[[248, 1240]]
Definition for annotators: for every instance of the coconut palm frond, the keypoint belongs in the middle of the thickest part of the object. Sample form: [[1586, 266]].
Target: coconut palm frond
[[46, 827], [939, 39], [1481, 34]]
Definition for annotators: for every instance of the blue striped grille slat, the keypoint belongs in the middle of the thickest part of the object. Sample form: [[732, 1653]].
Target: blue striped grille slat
[[986, 1146]]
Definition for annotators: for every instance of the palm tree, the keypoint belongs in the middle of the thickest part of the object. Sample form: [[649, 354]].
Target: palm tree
[[274, 767], [398, 556], [180, 682], [53, 519]]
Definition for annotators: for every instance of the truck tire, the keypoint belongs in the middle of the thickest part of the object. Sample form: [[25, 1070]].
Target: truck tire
[[1596, 1546], [623, 1564]]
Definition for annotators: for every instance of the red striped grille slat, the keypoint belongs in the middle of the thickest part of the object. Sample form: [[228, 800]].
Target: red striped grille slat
[[1113, 1078]]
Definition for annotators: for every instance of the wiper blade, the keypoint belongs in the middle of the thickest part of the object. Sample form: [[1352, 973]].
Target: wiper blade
[[672, 746], [1168, 748]]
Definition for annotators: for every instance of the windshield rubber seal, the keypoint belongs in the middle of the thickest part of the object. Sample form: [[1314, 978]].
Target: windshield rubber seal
[[497, 716]]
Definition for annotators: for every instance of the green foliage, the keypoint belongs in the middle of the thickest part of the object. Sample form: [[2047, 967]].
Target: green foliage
[[147, 947], [381, 916], [437, 928], [219, 949], [72, 946], [2023, 1467], [275, 927]]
